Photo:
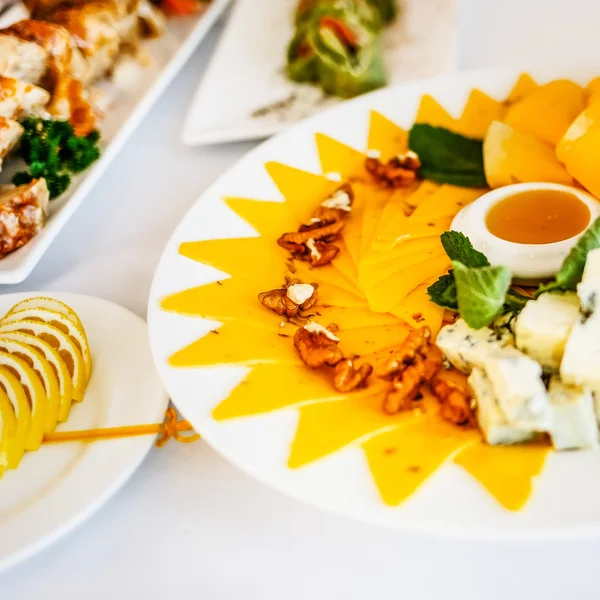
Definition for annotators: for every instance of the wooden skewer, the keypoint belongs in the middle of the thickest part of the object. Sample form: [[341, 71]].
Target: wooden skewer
[[170, 428]]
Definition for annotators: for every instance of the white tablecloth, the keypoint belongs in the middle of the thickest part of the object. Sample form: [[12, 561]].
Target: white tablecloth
[[188, 523]]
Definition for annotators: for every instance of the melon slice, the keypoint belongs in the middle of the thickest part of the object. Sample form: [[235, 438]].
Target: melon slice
[[593, 91], [524, 87], [589, 117], [581, 160], [512, 156], [548, 111]]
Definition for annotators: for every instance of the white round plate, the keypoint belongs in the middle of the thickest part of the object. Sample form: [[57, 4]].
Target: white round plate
[[566, 496], [59, 486]]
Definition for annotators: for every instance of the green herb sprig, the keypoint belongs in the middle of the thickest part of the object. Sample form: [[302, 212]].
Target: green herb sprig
[[448, 157], [53, 151]]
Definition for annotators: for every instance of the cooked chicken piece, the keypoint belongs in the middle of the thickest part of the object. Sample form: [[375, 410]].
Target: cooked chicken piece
[[22, 214], [94, 27], [22, 60], [10, 132], [19, 99], [61, 56], [152, 22], [62, 77]]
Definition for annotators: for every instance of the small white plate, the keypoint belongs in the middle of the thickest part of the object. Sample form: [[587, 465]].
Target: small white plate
[[58, 487], [245, 93], [166, 56], [566, 497]]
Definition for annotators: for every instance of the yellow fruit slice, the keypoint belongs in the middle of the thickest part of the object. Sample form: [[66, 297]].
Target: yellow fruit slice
[[8, 431], [525, 85], [58, 365], [15, 392], [581, 160], [58, 340], [593, 91], [511, 156], [61, 321], [49, 303], [548, 111], [36, 396], [42, 367], [584, 121]]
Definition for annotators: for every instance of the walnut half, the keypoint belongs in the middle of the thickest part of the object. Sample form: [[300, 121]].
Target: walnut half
[[290, 300], [397, 172], [316, 348], [348, 377]]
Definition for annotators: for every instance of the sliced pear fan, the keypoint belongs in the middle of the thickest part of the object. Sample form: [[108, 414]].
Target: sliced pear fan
[[59, 366], [36, 396], [11, 386], [43, 369], [61, 342], [61, 321]]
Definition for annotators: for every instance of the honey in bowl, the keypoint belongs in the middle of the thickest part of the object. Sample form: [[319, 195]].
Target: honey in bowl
[[538, 217]]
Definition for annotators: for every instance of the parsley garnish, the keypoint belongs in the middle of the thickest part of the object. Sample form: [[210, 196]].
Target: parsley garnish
[[53, 151]]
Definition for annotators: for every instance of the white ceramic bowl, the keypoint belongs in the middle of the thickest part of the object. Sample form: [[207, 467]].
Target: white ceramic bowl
[[526, 261]]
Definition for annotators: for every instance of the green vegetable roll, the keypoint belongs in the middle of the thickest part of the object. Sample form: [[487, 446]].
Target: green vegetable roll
[[312, 10], [339, 51], [387, 9]]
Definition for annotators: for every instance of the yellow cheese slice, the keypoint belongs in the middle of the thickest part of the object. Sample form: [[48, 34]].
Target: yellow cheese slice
[[478, 114]]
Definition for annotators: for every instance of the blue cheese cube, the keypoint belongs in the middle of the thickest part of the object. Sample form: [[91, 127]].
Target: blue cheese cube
[[466, 348], [517, 383], [492, 422], [589, 288], [543, 327], [574, 417], [581, 360]]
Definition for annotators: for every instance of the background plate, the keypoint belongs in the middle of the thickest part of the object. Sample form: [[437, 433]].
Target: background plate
[[566, 497], [245, 93], [58, 487], [166, 56]]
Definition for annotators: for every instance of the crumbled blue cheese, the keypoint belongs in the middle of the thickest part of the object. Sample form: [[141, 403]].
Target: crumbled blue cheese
[[517, 383], [543, 327], [466, 348], [492, 422], [333, 176], [581, 360], [317, 328], [574, 417], [299, 293], [310, 244], [340, 200], [589, 288]]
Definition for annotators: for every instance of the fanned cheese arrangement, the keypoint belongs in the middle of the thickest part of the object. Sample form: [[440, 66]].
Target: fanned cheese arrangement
[[389, 327], [45, 366]]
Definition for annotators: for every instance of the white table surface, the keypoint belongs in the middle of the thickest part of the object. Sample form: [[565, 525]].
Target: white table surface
[[190, 524]]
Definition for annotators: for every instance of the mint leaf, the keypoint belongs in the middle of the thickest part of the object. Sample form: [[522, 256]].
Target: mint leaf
[[448, 157], [571, 270], [481, 293], [458, 247], [443, 292]]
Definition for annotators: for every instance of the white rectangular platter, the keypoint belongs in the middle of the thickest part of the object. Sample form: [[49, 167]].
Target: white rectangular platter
[[245, 93], [165, 57]]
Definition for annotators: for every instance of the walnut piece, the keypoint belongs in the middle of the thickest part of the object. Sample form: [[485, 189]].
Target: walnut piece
[[285, 301], [317, 349], [348, 377], [405, 386], [312, 242], [396, 360], [455, 400], [399, 171]]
